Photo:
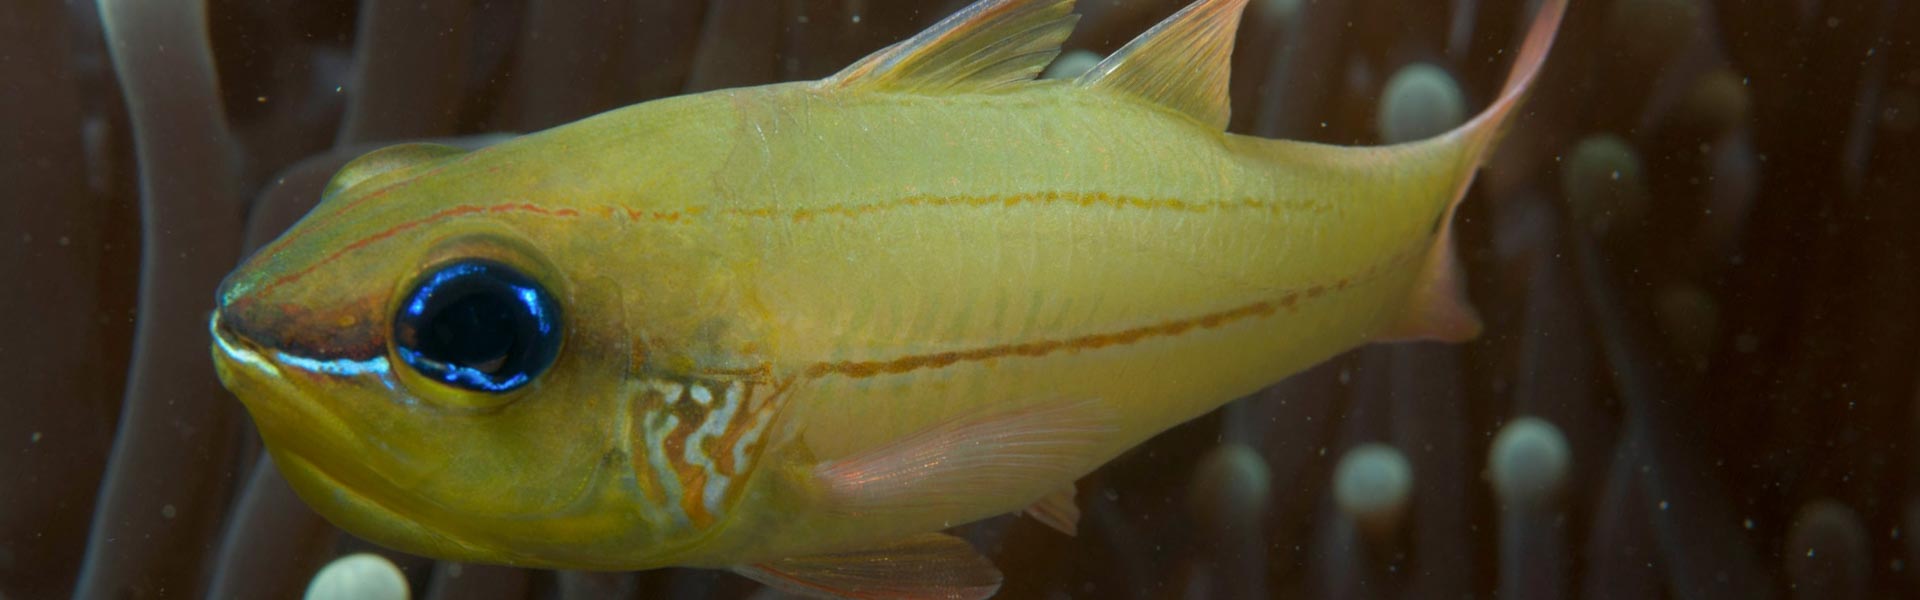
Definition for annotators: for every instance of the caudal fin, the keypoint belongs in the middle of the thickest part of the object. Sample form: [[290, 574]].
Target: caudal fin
[[1439, 309], [1485, 128]]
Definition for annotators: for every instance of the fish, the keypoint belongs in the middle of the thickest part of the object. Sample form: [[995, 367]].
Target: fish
[[798, 330]]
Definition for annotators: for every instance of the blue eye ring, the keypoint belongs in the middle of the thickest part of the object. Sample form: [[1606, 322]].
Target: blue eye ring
[[478, 325]]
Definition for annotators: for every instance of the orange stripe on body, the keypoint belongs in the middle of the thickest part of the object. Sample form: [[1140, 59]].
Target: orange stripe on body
[[862, 369], [1288, 301], [850, 211], [283, 243]]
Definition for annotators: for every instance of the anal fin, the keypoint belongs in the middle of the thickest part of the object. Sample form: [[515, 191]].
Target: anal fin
[[972, 465], [929, 565], [1058, 510]]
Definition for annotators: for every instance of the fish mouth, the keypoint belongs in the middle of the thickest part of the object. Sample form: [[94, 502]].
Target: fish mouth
[[254, 374], [236, 356]]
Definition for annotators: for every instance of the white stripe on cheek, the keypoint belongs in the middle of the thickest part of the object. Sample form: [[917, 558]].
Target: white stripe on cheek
[[656, 430], [714, 425]]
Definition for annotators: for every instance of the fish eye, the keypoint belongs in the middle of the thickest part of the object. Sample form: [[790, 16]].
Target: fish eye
[[479, 325]]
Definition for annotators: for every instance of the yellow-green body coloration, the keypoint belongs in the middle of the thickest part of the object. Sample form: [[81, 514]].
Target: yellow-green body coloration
[[815, 318]]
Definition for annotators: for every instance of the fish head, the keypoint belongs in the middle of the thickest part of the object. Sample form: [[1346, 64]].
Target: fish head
[[430, 369]]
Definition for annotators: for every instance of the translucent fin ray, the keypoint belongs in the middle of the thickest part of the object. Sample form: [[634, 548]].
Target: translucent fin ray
[[1058, 511], [989, 45], [1181, 64], [1487, 126], [1439, 308], [966, 465], [929, 565]]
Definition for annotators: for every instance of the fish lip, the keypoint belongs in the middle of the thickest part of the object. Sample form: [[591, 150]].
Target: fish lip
[[243, 362], [237, 347]]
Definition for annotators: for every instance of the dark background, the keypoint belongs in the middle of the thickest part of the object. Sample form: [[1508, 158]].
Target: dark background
[[1695, 252]]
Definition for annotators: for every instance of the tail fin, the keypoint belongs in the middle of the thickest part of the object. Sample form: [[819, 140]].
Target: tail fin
[[1439, 309]]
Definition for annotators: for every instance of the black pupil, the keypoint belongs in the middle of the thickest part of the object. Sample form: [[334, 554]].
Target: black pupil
[[477, 331], [478, 325]]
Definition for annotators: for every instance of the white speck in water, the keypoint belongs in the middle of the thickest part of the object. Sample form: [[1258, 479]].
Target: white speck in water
[[856, 18], [36, 437], [260, 99], [1616, 175], [64, 240], [168, 511], [338, 89], [1748, 523], [1663, 505]]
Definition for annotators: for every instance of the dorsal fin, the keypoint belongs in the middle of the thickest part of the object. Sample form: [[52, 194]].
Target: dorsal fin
[[1181, 63], [989, 45]]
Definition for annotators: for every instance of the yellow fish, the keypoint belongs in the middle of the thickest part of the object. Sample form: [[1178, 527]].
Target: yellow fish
[[796, 330]]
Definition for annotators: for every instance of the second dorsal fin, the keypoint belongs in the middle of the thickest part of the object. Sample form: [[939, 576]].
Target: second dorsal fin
[[1181, 64], [988, 45]]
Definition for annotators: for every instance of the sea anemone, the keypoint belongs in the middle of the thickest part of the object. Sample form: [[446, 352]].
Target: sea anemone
[[1695, 253]]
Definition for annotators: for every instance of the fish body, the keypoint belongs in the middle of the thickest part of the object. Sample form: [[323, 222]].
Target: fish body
[[792, 328]]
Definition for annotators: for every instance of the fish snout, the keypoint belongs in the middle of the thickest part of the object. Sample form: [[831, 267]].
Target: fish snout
[[296, 322]]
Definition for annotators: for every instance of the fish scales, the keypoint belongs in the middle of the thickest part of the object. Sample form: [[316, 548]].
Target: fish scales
[[795, 330]]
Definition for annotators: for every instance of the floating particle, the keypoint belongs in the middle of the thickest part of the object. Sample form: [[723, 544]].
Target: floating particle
[[1718, 102], [1828, 554], [1901, 111]]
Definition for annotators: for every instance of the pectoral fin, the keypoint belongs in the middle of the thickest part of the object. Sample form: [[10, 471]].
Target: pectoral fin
[[970, 465], [1058, 510], [929, 565]]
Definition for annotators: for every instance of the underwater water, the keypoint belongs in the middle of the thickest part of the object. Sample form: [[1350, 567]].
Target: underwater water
[[1694, 251]]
